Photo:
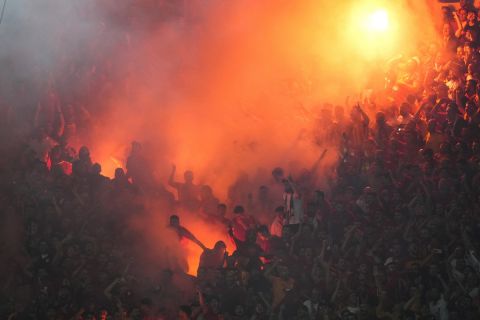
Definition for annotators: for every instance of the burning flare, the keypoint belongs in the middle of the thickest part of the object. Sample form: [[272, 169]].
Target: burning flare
[[378, 21]]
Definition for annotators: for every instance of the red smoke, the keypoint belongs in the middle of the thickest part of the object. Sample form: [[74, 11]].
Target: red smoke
[[236, 86]]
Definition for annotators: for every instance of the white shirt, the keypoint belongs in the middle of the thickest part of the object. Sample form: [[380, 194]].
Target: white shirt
[[293, 208], [297, 211]]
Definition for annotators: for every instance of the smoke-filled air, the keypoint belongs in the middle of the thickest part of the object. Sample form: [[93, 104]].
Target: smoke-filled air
[[181, 159]]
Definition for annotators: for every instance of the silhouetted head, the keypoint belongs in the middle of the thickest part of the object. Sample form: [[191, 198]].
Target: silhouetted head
[[188, 176], [380, 118], [174, 220], [220, 247], [206, 192], [83, 153], [136, 147], [119, 174], [96, 168], [239, 210], [405, 109], [277, 174]]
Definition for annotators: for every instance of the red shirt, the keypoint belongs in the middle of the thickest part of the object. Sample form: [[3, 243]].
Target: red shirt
[[242, 222]]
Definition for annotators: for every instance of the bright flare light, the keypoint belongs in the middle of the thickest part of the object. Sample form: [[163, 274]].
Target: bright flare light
[[378, 21], [373, 31]]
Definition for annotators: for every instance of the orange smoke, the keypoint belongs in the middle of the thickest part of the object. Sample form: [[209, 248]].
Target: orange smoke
[[231, 88], [208, 234], [239, 86]]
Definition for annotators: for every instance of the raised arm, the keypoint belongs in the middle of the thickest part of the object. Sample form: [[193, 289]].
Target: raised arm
[[187, 234], [366, 119], [459, 31], [171, 179], [347, 237], [199, 243], [238, 242], [317, 163], [335, 292], [108, 290]]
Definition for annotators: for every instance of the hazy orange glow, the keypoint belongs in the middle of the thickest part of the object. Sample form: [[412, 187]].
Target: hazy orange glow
[[208, 235], [110, 157], [239, 87], [242, 89], [107, 151]]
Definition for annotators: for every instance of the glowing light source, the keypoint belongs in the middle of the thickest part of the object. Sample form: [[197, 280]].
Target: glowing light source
[[374, 31], [378, 20]]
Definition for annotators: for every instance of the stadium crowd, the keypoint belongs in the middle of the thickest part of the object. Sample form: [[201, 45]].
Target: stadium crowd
[[394, 235]]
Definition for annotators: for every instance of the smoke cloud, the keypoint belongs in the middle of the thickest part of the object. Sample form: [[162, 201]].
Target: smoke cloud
[[217, 87]]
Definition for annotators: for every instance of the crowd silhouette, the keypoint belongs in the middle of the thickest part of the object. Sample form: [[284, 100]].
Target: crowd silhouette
[[394, 235]]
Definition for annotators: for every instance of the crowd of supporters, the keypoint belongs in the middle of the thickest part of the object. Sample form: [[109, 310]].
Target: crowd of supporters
[[394, 235]]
